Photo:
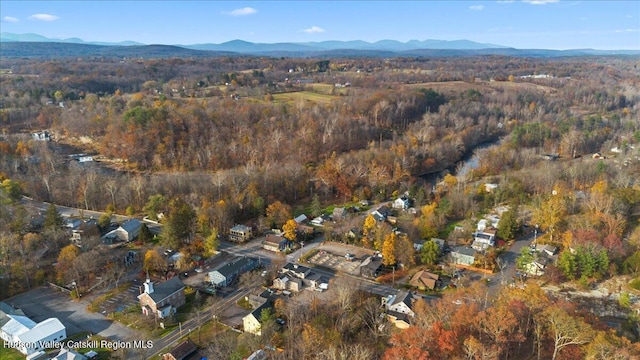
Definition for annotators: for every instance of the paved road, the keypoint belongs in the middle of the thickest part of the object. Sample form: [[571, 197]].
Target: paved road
[[43, 303], [191, 325], [66, 212], [508, 258]]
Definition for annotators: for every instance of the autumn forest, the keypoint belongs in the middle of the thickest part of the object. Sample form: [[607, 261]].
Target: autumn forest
[[227, 138]]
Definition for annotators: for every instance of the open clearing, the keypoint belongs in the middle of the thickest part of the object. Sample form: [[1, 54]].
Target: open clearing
[[458, 86], [303, 95]]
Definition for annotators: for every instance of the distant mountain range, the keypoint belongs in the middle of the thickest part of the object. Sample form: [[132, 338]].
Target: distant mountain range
[[34, 45]]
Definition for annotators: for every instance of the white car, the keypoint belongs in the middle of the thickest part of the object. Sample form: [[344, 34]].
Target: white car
[[199, 270]]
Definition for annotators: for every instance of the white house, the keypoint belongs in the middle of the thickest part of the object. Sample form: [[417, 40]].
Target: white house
[[29, 337], [484, 239], [401, 203], [399, 308], [300, 219], [252, 323], [126, 232]]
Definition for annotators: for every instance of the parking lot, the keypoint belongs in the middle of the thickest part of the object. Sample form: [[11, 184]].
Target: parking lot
[[121, 301], [332, 255], [43, 303]]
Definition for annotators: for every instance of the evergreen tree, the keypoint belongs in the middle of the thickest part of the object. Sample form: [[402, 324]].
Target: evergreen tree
[[52, 218]]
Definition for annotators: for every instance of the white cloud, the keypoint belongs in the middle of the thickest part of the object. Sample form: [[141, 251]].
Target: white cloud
[[314, 29], [10, 19], [540, 2], [242, 11], [44, 17], [476, 7], [627, 30]]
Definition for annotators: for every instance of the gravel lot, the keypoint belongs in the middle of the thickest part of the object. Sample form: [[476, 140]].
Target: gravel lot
[[332, 255], [43, 303]]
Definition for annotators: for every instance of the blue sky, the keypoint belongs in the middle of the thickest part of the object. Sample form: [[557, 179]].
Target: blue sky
[[549, 24]]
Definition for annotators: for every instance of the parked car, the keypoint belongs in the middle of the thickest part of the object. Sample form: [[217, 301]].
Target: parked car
[[199, 270], [349, 256]]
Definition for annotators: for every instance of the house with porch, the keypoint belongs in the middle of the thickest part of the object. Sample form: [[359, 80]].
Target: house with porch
[[162, 300], [240, 233]]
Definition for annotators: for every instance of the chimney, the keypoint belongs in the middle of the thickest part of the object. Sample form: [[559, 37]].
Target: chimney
[[148, 286]]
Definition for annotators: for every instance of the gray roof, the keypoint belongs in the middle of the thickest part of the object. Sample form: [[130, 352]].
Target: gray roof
[[464, 250], [234, 267], [241, 228], [294, 268], [166, 289], [257, 313], [131, 225], [372, 262]]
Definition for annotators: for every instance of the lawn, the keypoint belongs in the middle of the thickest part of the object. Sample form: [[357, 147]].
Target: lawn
[[10, 354], [303, 95]]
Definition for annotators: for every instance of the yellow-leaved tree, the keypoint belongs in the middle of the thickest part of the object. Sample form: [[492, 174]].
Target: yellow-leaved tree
[[289, 229], [388, 249]]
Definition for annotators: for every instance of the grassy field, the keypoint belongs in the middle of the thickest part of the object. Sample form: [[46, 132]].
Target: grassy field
[[292, 97], [10, 354], [459, 86]]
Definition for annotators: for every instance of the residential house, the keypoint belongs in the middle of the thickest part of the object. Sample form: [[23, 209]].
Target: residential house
[[536, 267], [240, 233], [424, 280], [317, 282], [381, 213], [296, 270], [484, 239], [546, 249], [226, 274], [301, 219], [181, 351], [163, 299], [29, 336], [252, 323], [275, 243], [371, 267], [318, 221], [399, 308], [287, 282], [126, 232], [463, 255], [401, 203], [85, 231]]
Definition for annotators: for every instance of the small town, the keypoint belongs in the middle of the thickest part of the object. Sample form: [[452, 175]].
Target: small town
[[320, 181]]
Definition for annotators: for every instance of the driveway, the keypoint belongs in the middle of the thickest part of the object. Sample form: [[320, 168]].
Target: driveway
[[43, 303]]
